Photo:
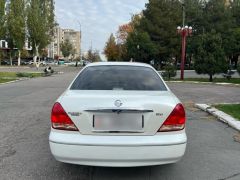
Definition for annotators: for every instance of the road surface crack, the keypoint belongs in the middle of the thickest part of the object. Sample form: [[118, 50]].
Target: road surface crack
[[229, 177], [10, 152]]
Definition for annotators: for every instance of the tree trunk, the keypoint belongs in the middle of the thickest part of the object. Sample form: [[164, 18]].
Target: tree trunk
[[36, 56], [19, 57], [210, 77], [10, 58], [190, 62], [235, 60]]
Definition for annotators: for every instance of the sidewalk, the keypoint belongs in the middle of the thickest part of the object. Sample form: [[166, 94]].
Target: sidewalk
[[220, 115]]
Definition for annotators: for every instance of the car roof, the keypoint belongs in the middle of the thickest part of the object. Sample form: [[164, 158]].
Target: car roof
[[118, 64]]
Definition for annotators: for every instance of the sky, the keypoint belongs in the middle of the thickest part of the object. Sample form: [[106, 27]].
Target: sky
[[98, 18]]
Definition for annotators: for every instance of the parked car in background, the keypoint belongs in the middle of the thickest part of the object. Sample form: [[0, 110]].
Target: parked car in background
[[52, 62], [71, 63], [61, 62], [5, 62], [41, 63], [118, 114]]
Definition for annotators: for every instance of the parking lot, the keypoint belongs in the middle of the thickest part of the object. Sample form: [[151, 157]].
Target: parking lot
[[25, 109]]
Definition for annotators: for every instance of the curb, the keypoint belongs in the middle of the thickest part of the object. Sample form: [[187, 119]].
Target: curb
[[14, 67], [220, 115], [9, 82], [198, 82], [23, 79]]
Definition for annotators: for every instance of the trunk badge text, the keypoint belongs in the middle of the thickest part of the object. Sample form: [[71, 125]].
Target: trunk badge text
[[118, 103], [159, 114], [74, 113]]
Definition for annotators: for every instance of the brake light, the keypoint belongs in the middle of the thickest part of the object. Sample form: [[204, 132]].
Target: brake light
[[175, 121], [60, 119]]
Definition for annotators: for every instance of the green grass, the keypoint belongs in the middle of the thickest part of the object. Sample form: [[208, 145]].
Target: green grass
[[29, 75], [7, 74], [11, 76], [215, 80], [2, 80], [231, 109]]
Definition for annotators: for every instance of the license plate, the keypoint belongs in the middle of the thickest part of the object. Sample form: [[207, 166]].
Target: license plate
[[118, 122]]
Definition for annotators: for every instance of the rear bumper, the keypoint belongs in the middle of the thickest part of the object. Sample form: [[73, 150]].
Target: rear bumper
[[118, 151]]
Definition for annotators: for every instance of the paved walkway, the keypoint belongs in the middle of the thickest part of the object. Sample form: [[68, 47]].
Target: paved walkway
[[205, 93]]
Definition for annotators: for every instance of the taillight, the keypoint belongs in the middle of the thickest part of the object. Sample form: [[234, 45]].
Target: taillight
[[175, 121], [60, 119]]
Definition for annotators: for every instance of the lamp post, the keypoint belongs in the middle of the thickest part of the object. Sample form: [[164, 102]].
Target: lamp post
[[80, 39], [184, 32]]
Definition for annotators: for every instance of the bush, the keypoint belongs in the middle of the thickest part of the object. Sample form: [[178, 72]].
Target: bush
[[22, 74], [28, 75], [169, 71]]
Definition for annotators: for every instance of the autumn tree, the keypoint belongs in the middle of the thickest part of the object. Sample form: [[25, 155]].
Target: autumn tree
[[111, 49], [93, 56], [122, 34]]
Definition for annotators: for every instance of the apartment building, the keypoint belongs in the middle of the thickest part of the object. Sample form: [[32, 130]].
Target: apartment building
[[61, 35]]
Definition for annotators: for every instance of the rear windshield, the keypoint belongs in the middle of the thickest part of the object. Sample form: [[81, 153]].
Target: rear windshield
[[118, 78]]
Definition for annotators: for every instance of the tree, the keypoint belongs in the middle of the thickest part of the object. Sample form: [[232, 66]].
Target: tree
[[40, 24], [25, 53], [66, 48], [93, 56], [2, 24], [210, 57], [140, 47], [218, 17], [125, 29], [123, 32], [169, 71], [238, 68], [234, 42], [2, 19], [111, 49], [16, 25], [160, 19]]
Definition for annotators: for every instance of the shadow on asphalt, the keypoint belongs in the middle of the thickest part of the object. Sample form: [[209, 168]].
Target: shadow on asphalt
[[92, 172]]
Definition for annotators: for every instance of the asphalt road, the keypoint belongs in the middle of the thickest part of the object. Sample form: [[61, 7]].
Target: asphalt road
[[24, 127], [187, 73]]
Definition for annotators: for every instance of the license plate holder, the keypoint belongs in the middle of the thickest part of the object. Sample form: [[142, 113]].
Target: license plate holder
[[114, 122]]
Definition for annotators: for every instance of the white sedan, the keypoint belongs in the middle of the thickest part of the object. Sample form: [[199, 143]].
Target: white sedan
[[118, 114]]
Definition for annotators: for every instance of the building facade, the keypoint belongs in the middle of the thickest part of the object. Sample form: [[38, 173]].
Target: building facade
[[60, 36]]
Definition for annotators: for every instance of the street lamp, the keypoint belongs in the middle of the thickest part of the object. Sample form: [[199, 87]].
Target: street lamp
[[80, 51], [184, 32]]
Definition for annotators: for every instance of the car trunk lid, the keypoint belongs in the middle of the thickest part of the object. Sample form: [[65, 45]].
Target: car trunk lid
[[118, 112]]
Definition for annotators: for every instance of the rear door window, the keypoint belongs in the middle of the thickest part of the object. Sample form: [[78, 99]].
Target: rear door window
[[118, 77]]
